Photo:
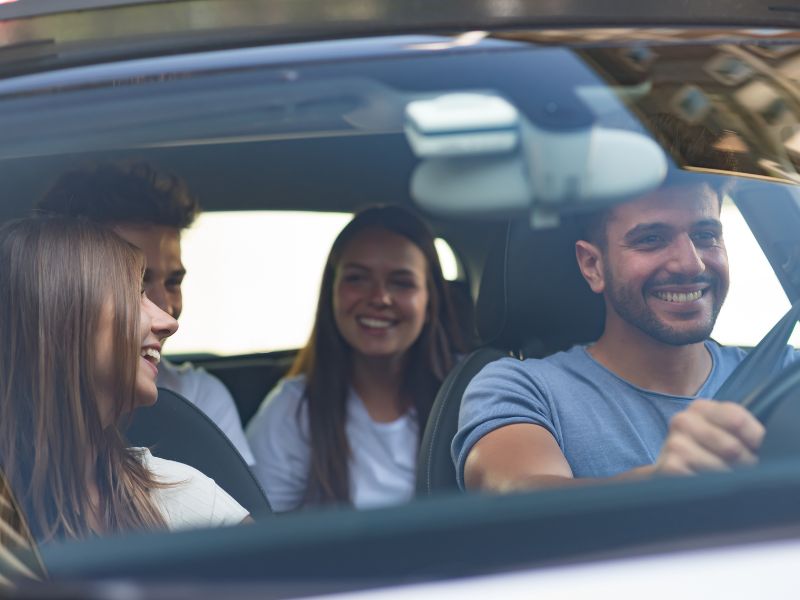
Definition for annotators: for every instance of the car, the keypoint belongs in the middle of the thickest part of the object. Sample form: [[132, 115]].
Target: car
[[500, 122]]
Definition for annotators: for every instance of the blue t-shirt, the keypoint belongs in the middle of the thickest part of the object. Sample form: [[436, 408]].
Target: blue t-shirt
[[603, 424]]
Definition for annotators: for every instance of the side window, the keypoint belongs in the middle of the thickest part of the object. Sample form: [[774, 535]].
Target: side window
[[253, 279], [756, 300]]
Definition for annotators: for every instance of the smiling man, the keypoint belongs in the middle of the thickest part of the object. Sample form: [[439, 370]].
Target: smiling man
[[633, 403]]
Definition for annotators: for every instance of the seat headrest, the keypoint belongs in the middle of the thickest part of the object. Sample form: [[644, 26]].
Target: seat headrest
[[533, 298]]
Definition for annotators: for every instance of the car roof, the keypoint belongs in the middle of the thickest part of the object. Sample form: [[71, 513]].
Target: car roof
[[41, 34]]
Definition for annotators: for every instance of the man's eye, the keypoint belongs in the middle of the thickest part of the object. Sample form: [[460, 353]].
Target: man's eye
[[705, 238], [650, 240]]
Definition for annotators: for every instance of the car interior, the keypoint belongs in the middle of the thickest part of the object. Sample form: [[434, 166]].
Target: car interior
[[525, 309], [324, 126]]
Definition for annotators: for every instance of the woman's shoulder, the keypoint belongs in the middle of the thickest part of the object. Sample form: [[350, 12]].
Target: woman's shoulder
[[286, 396], [289, 387], [188, 498], [278, 413], [167, 471]]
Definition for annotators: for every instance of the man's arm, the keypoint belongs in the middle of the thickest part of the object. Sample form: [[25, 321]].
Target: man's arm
[[707, 436], [516, 456]]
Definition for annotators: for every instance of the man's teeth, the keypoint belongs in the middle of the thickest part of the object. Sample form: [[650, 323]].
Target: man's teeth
[[377, 323], [152, 353], [679, 296]]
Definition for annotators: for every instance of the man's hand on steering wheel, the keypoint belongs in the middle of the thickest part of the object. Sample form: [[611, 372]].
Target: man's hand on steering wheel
[[710, 436]]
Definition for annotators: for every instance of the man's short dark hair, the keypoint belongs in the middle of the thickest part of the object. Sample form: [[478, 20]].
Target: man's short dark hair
[[592, 226], [110, 193]]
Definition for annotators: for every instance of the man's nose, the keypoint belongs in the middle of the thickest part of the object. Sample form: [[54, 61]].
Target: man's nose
[[158, 296], [685, 258]]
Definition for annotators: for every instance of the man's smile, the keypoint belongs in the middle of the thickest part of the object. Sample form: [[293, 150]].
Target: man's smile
[[679, 297]]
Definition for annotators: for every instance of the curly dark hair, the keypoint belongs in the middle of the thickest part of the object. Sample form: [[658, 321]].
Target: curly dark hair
[[136, 193]]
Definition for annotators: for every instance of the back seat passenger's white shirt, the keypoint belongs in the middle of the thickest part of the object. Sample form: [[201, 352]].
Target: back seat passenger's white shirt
[[208, 394], [194, 500], [383, 461]]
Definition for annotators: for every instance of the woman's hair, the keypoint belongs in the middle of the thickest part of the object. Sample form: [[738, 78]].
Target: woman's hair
[[57, 275], [326, 359]]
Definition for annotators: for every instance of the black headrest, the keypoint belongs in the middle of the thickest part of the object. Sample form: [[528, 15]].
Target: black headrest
[[533, 299], [175, 429]]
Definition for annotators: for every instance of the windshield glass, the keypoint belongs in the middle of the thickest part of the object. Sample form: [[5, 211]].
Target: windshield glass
[[406, 242]]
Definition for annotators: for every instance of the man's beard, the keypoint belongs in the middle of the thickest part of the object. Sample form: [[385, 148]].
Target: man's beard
[[631, 306]]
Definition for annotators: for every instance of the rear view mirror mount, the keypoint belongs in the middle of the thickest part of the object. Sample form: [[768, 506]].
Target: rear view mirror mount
[[480, 157]]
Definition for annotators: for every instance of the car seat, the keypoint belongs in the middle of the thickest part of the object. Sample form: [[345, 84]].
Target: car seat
[[533, 301], [464, 309], [175, 429]]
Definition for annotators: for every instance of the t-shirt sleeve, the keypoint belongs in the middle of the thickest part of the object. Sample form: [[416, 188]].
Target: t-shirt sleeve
[[225, 509], [791, 355], [505, 392], [278, 436], [190, 499]]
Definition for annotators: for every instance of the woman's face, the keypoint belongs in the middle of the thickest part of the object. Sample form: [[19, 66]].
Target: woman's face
[[154, 327], [380, 294]]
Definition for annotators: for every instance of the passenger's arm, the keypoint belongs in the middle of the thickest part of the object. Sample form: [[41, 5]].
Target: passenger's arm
[[707, 436]]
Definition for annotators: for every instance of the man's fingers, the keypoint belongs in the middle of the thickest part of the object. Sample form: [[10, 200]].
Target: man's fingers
[[710, 436], [731, 418], [682, 455], [713, 438]]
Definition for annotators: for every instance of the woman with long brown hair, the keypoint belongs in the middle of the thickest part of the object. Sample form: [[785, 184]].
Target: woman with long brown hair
[[344, 426], [80, 350]]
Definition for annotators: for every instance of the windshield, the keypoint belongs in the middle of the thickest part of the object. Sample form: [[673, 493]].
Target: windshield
[[381, 216]]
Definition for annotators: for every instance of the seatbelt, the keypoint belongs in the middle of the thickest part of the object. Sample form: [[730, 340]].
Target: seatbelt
[[761, 363]]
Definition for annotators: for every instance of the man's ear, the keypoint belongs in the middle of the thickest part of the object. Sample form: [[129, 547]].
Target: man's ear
[[590, 262]]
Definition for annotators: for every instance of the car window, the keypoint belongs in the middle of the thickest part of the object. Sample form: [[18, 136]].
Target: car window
[[253, 279], [755, 300], [242, 268]]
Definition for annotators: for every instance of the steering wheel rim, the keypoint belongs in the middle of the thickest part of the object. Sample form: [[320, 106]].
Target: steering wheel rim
[[777, 405]]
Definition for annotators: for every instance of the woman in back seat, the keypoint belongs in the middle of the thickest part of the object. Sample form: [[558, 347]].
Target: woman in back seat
[[344, 426], [80, 349]]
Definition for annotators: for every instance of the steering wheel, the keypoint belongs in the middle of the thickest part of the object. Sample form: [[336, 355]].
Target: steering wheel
[[777, 405]]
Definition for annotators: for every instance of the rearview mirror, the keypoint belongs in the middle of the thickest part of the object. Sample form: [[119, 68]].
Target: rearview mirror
[[481, 157]]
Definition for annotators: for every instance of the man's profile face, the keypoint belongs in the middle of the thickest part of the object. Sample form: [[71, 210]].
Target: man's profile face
[[665, 267], [164, 272]]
